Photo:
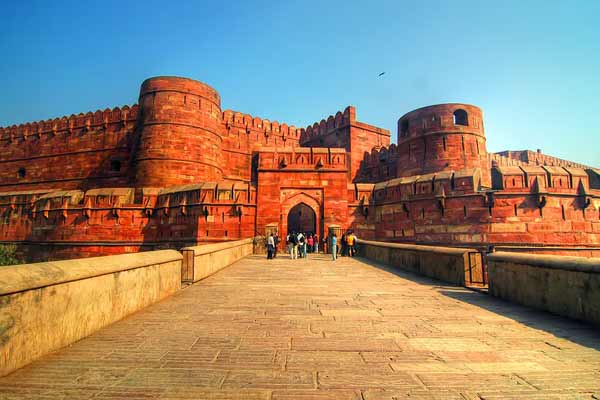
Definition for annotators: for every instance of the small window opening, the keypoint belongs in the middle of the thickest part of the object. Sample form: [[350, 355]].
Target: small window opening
[[115, 165], [461, 117], [404, 128], [21, 173]]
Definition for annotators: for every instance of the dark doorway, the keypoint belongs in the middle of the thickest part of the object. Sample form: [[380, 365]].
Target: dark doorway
[[301, 218]]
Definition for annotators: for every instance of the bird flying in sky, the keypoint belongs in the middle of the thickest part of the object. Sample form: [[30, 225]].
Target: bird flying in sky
[[381, 73]]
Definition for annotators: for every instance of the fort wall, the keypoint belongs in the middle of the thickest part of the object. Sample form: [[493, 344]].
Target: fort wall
[[75, 224], [344, 131], [180, 140], [442, 137], [75, 152], [549, 208], [316, 177], [177, 171], [245, 135], [538, 158]]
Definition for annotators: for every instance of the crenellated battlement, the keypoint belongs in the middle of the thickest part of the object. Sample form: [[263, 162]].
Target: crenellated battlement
[[235, 119], [538, 158], [303, 158], [71, 124], [177, 170], [331, 124], [541, 178]]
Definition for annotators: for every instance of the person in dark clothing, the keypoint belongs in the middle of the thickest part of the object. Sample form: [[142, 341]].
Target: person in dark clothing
[[276, 240]]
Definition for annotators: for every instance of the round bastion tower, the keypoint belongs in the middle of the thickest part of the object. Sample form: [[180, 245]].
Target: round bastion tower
[[443, 137], [180, 141]]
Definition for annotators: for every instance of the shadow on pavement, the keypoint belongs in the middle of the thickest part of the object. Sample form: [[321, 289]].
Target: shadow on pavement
[[575, 331]]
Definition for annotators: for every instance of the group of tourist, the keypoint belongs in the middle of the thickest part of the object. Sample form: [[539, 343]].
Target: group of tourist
[[299, 244], [346, 247]]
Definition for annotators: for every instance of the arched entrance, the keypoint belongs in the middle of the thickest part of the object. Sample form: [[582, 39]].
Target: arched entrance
[[302, 218]]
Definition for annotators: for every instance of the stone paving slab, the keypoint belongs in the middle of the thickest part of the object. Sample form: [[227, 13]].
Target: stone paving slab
[[318, 329]]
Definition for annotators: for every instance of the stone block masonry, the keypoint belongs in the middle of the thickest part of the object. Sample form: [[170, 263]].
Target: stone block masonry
[[177, 171], [320, 329], [568, 286], [47, 306]]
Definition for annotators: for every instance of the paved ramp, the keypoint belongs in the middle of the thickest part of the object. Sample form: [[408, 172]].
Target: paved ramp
[[315, 329]]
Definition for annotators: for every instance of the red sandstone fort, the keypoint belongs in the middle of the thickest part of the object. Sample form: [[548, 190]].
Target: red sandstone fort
[[176, 170]]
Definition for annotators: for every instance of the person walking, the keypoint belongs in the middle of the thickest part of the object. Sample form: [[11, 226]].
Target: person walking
[[288, 244], [304, 245], [350, 244], [270, 246], [343, 244], [316, 240], [294, 241], [334, 247], [301, 241], [276, 243], [311, 243]]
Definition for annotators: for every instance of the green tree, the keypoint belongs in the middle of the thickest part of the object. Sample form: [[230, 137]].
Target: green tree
[[8, 254]]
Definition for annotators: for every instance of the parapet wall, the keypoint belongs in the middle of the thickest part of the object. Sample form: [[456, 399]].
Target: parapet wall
[[200, 262], [443, 263], [330, 132], [568, 286], [50, 305], [72, 224], [538, 158], [550, 209], [344, 131], [85, 150], [244, 135]]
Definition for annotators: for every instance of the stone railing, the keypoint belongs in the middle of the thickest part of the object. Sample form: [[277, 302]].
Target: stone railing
[[49, 305], [202, 261], [568, 286], [444, 263], [46, 306]]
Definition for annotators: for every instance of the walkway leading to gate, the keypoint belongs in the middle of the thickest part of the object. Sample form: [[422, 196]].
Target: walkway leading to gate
[[315, 329]]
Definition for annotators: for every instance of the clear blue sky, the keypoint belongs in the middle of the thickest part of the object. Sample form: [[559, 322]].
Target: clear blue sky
[[533, 66]]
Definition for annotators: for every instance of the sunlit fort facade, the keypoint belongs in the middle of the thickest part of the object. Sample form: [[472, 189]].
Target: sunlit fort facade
[[176, 170]]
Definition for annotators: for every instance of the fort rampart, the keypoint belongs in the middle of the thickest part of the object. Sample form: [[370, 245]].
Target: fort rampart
[[177, 171]]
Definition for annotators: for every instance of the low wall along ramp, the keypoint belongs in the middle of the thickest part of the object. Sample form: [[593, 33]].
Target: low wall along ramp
[[200, 262], [46, 306], [568, 286], [447, 264]]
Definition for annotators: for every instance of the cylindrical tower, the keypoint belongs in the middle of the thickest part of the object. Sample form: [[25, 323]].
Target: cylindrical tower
[[180, 142], [441, 137]]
